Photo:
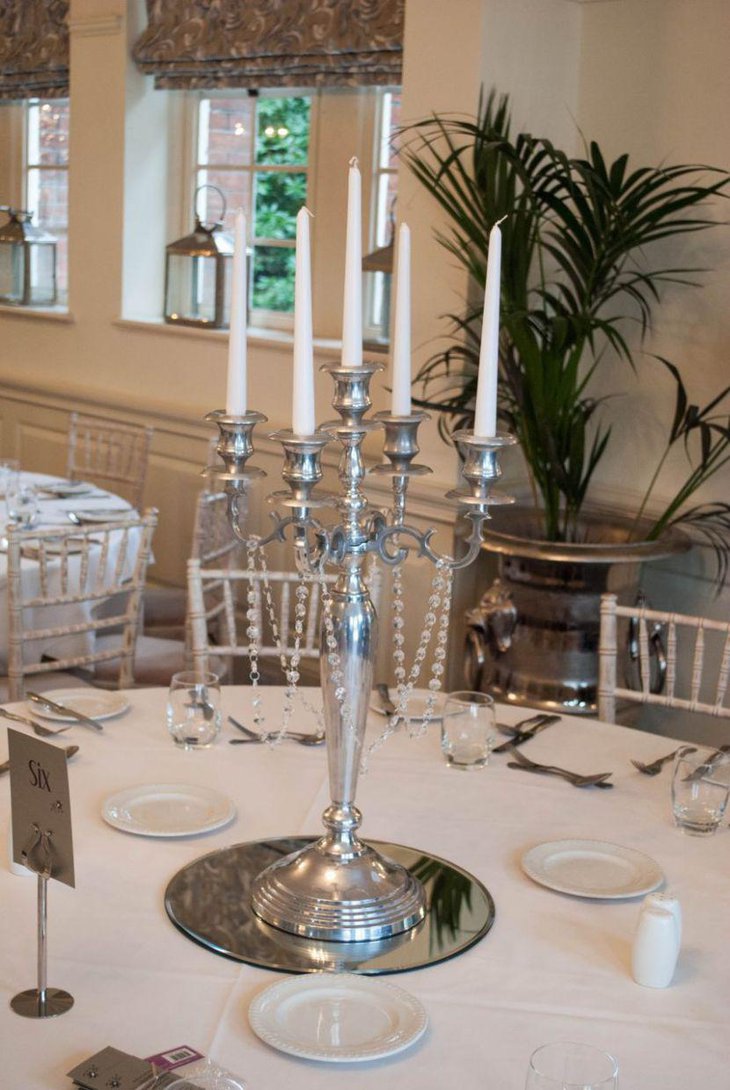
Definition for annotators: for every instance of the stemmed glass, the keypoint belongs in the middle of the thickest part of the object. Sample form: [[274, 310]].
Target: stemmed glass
[[569, 1065]]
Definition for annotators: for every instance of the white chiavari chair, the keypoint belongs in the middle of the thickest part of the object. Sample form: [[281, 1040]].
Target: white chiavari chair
[[57, 574], [697, 667], [111, 454]]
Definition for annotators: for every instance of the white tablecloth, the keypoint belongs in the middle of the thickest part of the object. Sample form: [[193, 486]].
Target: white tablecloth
[[53, 511], [552, 967]]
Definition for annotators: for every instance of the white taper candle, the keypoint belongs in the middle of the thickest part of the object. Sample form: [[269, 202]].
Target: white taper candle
[[485, 414], [401, 400], [303, 377], [236, 383], [352, 308]]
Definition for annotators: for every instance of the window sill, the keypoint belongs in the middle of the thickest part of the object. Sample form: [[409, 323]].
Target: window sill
[[48, 314], [257, 336]]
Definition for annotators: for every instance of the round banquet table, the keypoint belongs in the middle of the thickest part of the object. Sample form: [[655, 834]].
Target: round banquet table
[[53, 511], [552, 967]]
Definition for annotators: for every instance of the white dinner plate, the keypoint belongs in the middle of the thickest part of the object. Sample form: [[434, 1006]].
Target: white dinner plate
[[92, 515], [96, 703], [167, 809], [66, 488], [340, 1017], [416, 708], [592, 868]]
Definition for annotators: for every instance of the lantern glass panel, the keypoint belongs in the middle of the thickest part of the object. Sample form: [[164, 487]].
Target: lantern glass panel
[[12, 272], [191, 290], [42, 290]]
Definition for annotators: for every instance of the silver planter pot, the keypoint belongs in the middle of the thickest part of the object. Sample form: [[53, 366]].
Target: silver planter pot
[[533, 637]]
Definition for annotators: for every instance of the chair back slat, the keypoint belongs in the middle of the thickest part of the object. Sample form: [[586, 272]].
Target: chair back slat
[[722, 676], [72, 571], [689, 695]]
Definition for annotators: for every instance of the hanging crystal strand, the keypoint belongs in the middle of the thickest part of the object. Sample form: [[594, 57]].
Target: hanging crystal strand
[[439, 655], [253, 633], [440, 590], [290, 669]]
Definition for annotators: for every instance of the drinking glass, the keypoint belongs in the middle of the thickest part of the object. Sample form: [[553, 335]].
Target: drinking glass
[[21, 501], [700, 788], [194, 709], [9, 469], [467, 730], [569, 1065]]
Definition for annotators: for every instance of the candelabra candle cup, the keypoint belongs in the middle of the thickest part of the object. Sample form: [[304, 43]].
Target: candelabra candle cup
[[194, 709], [235, 445], [467, 730], [700, 789]]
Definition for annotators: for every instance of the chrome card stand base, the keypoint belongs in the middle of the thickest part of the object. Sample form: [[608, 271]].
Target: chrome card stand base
[[47, 1004], [210, 902]]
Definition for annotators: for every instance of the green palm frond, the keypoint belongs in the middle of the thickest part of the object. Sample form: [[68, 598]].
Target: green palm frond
[[579, 272]]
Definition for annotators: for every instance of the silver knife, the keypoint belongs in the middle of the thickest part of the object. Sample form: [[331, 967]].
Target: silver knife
[[63, 709]]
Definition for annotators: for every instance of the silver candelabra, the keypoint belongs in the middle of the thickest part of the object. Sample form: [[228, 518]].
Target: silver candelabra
[[340, 888]]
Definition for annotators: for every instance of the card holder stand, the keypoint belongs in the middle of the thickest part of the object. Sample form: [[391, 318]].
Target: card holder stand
[[112, 1069], [42, 1001]]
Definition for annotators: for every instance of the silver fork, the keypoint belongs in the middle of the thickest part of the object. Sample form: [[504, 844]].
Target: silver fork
[[653, 768], [44, 732], [597, 780]]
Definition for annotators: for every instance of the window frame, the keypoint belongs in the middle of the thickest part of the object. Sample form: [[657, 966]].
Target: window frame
[[258, 318], [27, 168]]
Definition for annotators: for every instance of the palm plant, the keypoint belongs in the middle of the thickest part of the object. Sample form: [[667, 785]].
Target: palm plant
[[577, 234]]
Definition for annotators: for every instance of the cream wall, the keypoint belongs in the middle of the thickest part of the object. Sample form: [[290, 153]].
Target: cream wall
[[646, 75]]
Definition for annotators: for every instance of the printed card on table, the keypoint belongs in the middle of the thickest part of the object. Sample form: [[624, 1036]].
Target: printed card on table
[[40, 802]]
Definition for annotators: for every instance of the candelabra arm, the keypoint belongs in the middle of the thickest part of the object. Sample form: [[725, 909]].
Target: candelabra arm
[[386, 544]]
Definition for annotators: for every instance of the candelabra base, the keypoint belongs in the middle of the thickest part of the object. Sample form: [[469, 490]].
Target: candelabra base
[[320, 893]]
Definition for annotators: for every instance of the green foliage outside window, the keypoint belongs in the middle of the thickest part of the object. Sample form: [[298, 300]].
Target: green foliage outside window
[[282, 139]]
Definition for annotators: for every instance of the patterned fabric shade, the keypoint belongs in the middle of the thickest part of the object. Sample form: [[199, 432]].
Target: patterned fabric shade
[[33, 49], [272, 43]]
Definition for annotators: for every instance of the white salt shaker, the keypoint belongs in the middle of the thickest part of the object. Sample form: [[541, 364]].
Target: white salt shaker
[[657, 941]]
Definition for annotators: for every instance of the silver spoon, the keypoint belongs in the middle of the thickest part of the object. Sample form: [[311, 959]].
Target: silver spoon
[[655, 767]]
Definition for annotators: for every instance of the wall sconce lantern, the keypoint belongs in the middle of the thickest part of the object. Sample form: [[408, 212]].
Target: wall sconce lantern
[[27, 261], [198, 274]]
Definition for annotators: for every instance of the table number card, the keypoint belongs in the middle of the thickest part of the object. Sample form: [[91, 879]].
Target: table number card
[[40, 801]]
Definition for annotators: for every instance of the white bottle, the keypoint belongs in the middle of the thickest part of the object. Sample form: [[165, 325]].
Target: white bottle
[[657, 941]]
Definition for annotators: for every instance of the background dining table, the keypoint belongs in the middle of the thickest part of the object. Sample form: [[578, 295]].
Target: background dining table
[[553, 967], [53, 510]]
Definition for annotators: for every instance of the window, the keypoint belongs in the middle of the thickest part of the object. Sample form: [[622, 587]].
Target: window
[[256, 151], [45, 175], [269, 154], [385, 190]]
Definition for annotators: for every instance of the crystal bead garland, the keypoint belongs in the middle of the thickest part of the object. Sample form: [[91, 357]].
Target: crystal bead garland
[[439, 606], [290, 668], [253, 629]]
